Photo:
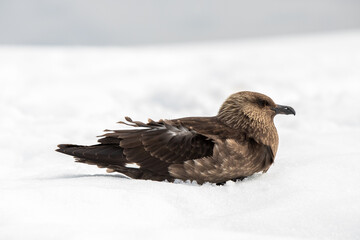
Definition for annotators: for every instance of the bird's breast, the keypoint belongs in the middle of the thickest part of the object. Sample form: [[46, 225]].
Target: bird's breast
[[239, 158]]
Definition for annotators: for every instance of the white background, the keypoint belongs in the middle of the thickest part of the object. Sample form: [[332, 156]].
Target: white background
[[52, 95]]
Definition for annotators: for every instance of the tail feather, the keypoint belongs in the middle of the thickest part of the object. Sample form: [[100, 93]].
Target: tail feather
[[108, 156], [104, 154]]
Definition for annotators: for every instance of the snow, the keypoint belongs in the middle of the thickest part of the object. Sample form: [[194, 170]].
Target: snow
[[52, 95]]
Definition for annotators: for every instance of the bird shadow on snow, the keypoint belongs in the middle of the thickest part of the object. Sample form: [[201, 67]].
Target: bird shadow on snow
[[70, 176], [177, 181]]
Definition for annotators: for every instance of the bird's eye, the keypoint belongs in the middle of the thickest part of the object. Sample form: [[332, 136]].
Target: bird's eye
[[263, 103]]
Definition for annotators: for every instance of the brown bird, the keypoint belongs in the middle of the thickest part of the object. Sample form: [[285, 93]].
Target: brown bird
[[239, 141]]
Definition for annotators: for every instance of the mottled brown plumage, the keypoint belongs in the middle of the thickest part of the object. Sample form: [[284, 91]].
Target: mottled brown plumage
[[240, 141]]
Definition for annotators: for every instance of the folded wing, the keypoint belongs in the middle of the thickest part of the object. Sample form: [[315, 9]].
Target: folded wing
[[154, 146]]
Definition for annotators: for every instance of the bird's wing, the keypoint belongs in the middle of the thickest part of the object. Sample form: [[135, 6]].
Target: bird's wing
[[265, 156], [166, 141]]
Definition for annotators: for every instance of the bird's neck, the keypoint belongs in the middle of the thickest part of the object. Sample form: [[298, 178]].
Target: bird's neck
[[260, 129]]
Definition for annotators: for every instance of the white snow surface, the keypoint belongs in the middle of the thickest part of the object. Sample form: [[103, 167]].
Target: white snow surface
[[53, 95]]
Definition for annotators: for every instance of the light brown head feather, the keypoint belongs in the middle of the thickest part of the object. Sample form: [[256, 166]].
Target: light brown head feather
[[251, 112]]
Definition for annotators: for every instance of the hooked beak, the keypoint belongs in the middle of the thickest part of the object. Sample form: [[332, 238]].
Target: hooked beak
[[280, 109]]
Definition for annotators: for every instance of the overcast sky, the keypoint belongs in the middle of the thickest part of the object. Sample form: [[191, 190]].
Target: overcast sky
[[120, 22]]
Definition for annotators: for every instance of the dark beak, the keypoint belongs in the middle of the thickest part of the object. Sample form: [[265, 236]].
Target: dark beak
[[280, 109]]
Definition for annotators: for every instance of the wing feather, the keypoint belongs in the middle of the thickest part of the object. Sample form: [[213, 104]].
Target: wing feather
[[154, 146], [165, 141]]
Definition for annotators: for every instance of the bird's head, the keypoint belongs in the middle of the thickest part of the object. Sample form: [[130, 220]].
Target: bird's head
[[245, 107]]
